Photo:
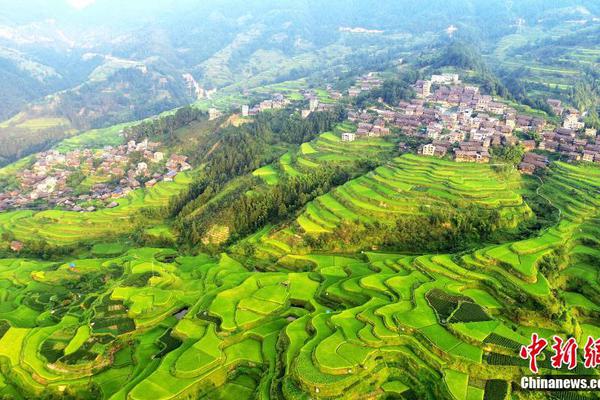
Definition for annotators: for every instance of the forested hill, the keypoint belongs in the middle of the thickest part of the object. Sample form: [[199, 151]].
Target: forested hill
[[219, 195]]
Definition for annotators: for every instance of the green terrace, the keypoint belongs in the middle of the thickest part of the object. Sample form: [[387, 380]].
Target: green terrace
[[324, 325], [408, 185], [295, 321], [328, 148]]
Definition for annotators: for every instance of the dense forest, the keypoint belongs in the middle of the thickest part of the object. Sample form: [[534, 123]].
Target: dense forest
[[162, 129], [242, 214], [452, 229], [392, 91], [239, 151]]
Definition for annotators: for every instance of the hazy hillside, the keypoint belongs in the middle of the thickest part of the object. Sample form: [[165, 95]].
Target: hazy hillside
[[85, 55]]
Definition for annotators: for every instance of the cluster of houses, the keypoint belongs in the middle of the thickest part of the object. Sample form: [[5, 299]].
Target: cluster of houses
[[459, 113], [452, 116], [465, 152], [571, 144], [112, 173], [278, 101], [571, 117], [314, 105], [459, 120], [446, 112], [365, 83], [572, 140], [368, 124], [532, 162]]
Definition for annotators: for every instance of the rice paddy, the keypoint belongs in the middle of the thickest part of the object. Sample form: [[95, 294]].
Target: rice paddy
[[408, 185], [150, 323], [547, 76], [326, 149]]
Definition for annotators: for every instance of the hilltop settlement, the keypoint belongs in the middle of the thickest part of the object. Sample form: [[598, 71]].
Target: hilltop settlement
[[459, 121]]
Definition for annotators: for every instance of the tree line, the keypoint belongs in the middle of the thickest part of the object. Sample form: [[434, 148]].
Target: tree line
[[449, 229], [244, 214], [163, 128]]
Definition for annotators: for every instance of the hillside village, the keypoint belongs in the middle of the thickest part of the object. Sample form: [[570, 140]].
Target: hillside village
[[450, 118], [459, 121], [83, 180], [278, 101]]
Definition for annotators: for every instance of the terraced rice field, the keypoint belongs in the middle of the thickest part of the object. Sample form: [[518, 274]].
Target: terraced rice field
[[69, 227], [547, 76], [328, 148], [338, 327], [413, 185], [95, 139], [152, 324]]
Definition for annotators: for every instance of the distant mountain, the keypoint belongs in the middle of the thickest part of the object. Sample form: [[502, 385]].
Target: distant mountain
[[112, 61]]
